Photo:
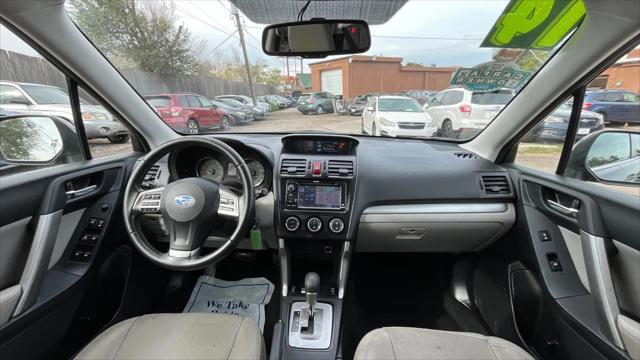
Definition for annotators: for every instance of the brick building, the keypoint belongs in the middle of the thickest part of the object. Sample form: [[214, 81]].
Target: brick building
[[354, 75], [623, 75]]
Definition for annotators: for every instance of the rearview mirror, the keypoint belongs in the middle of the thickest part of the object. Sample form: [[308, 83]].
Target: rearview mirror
[[609, 156], [27, 140], [316, 38]]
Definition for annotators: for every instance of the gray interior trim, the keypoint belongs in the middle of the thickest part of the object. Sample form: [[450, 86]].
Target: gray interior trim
[[625, 268], [14, 245], [284, 266], [433, 227], [39, 256], [630, 333], [68, 225], [436, 208], [345, 261], [601, 285], [574, 245], [8, 301]]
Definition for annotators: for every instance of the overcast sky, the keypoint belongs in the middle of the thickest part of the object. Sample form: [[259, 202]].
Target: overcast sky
[[211, 22]]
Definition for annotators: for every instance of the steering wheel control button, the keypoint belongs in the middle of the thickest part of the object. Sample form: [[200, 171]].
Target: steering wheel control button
[[314, 224], [336, 225], [292, 223]]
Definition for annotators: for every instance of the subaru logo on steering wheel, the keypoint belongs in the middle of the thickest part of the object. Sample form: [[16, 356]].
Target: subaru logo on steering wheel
[[184, 200]]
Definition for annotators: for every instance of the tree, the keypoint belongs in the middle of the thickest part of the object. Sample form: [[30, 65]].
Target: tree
[[142, 34], [412, 63], [232, 68]]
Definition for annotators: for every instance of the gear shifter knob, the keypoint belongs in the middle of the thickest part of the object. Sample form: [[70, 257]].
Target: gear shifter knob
[[311, 288]]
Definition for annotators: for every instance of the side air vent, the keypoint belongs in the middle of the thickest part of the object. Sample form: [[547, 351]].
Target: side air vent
[[150, 177], [495, 185], [293, 167], [465, 155], [340, 168]]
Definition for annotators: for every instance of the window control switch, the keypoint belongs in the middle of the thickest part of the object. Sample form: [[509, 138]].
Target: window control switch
[[554, 262], [544, 235]]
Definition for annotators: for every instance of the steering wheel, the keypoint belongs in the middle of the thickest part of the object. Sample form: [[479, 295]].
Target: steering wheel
[[189, 207]]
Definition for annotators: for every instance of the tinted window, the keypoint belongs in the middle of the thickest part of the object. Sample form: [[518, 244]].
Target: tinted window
[[438, 99], [159, 101], [46, 94], [452, 97], [304, 97], [182, 101], [491, 98], [615, 97], [193, 101], [630, 97], [205, 102], [599, 97]]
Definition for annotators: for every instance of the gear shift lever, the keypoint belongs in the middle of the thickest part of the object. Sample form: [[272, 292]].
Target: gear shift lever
[[311, 288]]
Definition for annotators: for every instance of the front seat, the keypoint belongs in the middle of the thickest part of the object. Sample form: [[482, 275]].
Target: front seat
[[179, 336], [412, 343]]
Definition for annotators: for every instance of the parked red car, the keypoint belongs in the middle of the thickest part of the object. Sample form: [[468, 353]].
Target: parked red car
[[189, 113]]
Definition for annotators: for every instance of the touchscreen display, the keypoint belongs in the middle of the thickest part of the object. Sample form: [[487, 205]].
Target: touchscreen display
[[319, 196]]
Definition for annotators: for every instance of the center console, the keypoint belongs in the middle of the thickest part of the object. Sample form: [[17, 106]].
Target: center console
[[315, 188]]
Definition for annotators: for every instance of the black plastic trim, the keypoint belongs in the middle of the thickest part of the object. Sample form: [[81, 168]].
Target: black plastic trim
[[574, 121], [74, 98]]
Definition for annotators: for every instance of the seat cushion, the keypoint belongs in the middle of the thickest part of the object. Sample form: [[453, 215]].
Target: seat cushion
[[179, 336], [412, 343]]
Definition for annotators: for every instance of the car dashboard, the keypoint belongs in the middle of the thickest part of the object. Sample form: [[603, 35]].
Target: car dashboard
[[378, 194]]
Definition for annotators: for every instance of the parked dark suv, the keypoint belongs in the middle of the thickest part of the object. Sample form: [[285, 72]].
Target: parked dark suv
[[320, 102], [614, 105]]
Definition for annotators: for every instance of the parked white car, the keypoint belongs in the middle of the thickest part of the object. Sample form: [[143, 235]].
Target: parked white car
[[461, 113], [396, 116], [50, 100]]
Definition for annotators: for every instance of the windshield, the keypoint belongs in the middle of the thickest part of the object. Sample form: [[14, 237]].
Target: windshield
[[402, 105], [46, 95], [418, 50]]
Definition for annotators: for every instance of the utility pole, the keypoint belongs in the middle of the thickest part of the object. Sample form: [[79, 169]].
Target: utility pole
[[236, 14], [287, 83]]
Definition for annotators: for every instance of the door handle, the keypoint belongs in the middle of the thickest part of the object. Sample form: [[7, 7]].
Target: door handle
[[84, 191], [565, 210]]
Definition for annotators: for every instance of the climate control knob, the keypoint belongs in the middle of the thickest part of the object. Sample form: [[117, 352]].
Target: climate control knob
[[292, 223], [314, 224], [336, 225]]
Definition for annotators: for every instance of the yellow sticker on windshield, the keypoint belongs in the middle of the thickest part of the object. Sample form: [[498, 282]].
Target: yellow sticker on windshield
[[535, 24]]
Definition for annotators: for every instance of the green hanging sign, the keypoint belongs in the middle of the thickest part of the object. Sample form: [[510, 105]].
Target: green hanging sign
[[535, 24]]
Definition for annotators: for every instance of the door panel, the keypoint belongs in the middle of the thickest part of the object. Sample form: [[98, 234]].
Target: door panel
[[586, 251], [53, 237]]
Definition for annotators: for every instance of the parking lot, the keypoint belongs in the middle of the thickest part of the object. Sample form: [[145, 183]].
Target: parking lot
[[539, 156]]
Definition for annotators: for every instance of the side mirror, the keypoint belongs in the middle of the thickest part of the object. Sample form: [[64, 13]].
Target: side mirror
[[214, 106], [19, 100], [608, 156], [425, 106], [370, 108], [29, 140], [316, 38]]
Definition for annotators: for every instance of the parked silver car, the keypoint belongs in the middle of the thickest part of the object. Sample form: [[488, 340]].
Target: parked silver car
[[54, 101]]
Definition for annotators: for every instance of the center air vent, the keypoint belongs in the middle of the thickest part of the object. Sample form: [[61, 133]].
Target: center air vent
[[293, 167], [340, 168], [465, 155], [150, 177], [495, 185]]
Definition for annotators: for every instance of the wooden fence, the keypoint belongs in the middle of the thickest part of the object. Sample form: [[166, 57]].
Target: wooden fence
[[23, 68]]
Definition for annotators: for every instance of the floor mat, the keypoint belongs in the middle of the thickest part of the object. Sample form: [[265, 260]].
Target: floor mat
[[246, 297]]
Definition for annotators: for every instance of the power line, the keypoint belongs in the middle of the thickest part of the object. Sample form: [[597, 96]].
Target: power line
[[224, 6], [220, 44], [193, 3], [188, 13], [425, 38]]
